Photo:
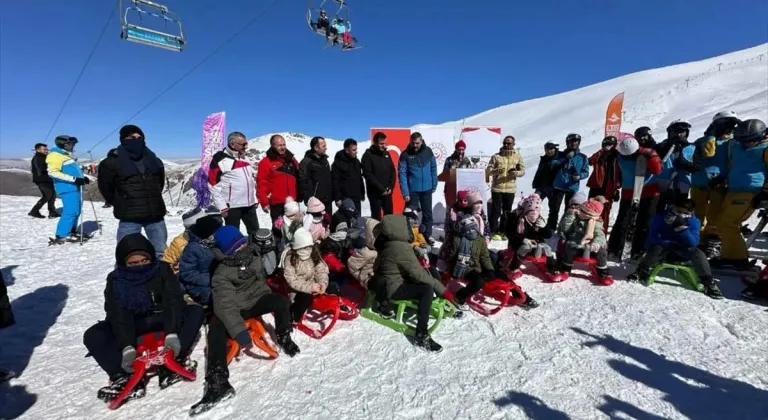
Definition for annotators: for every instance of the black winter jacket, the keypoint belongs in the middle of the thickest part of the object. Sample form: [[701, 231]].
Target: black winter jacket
[[315, 177], [40, 170], [168, 300], [545, 175], [378, 171], [347, 177], [136, 198]]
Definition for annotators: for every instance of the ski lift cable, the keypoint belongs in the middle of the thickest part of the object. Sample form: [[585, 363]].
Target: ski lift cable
[[189, 72], [82, 70]]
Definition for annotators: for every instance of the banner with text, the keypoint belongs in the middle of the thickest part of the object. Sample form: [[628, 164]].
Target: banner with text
[[613, 116], [213, 139]]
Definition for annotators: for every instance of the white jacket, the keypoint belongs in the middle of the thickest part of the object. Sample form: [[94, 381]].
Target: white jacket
[[232, 181]]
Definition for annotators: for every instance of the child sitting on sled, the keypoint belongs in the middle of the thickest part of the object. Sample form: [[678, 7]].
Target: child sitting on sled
[[581, 233], [467, 202], [316, 221], [240, 292], [335, 251], [197, 263], [674, 236], [360, 263], [527, 233], [172, 254], [305, 272], [348, 215], [140, 298], [400, 276], [420, 245]]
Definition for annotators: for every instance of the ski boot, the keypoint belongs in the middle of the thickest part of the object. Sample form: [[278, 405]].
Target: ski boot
[[217, 389], [111, 391], [59, 240], [425, 342], [286, 343], [710, 287], [167, 378], [603, 276], [36, 215]]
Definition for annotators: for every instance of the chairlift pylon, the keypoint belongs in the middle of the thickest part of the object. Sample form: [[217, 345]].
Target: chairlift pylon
[[152, 37]]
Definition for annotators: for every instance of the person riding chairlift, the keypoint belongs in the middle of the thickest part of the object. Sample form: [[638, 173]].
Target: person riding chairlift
[[345, 29], [323, 23]]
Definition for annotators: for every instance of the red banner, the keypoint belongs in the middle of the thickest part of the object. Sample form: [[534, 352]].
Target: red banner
[[613, 116]]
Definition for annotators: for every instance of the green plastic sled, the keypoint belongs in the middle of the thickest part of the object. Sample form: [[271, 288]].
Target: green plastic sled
[[682, 273], [439, 310]]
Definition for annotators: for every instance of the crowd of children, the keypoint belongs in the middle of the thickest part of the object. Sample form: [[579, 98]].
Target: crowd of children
[[212, 275]]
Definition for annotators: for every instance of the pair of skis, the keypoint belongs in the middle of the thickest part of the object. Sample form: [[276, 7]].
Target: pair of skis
[[641, 165]]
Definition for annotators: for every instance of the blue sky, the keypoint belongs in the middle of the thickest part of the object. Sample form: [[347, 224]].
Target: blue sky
[[427, 61]]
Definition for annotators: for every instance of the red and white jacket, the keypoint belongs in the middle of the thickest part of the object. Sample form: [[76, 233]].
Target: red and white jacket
[[232, 181]]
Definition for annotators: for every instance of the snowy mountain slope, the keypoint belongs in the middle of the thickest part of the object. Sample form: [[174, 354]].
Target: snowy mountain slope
[[660, 352]]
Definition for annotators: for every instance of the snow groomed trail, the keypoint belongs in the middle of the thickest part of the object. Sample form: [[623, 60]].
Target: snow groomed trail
[[589, 352]]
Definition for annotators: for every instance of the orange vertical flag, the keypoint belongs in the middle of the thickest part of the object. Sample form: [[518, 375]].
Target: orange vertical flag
[[613, 116]]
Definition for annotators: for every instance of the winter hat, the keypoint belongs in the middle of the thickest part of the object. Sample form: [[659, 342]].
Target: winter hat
[[628, 146], [475, 197], [129, 130], [191, 217], [466, 224], [462, 195], [347, 204], [413, 215], [291, 207], [133, 244], [264, 240], [530, 209], [315, 206], [228, 239], [578, 199], [591, 208], [302, 239], [461, 145]]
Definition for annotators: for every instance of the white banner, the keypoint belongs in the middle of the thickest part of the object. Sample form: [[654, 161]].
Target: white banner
[[474, 179]]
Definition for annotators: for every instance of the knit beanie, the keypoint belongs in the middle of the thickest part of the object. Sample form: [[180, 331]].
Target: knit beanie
[[315, 206], [228, 239], [466, 224], [348, 205], [129, 130], [475, 197], [462, 195], [302, 238], [191, 217], [591, 208], [133, 244], [461, 145], [291, 207], [578, 199]]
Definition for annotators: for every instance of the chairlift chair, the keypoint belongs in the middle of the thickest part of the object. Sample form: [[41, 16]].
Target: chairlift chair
[[152, 37]]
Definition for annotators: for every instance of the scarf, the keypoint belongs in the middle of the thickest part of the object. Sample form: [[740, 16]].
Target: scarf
[[242, 259], [132, 153], [468, 233], [129, 285]]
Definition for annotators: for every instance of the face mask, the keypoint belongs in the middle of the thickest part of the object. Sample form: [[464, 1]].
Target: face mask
[[304, 253], [134, 147]]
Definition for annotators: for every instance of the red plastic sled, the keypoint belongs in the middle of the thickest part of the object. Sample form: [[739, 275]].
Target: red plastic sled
[[259, 336], [334, 306], [149, 356], [500, 290]]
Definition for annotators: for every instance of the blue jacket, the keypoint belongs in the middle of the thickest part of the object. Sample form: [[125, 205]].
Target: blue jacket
[[679, 163], [664, 235], [711, 155], [63, 169], [578, 164], [748, 168], [417, 170], [627, 168], [195, 270], [342, 28]]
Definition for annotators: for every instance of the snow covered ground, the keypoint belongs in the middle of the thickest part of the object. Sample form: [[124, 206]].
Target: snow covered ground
[[624, 351]]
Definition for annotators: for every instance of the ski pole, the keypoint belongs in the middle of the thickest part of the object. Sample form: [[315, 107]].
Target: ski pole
[[95, 216], [80, 217]]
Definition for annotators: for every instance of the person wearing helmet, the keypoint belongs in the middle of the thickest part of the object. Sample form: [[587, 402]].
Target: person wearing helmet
[[68, 181], [629, 150], [323, 23], [604, 180], [570, 166], [746, 178], [644, 137], [545, 175], [676, 153], [343, 28], [707, 186]]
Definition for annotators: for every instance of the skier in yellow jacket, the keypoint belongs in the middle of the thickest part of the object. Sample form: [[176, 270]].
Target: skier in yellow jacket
[[747, 183]]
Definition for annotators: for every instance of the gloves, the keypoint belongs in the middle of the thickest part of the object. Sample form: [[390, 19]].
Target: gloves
[[489, 275], [645, 152], [82, 181], [716, 181], [616, 196], [173, 344], [448, 295], [419, 251], [244, 340], [129, 356], [594, 248]]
